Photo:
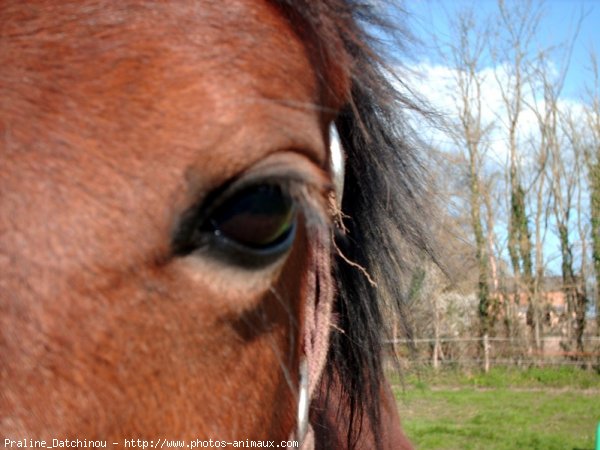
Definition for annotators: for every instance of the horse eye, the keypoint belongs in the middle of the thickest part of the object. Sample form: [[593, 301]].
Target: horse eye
[[261, 218]]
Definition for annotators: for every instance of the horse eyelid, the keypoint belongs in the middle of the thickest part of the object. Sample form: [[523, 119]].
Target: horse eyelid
[[196, 231]]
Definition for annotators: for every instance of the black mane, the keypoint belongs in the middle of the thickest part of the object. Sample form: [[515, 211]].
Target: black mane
[[383, 209]]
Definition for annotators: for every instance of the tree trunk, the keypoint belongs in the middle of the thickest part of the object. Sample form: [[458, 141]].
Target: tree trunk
[[594, 175], [482, 260]]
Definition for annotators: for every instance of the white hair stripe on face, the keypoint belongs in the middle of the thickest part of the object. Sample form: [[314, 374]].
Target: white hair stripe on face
[[336, 155]]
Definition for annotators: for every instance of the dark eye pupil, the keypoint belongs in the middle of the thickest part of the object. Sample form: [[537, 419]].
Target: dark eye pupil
[[257, 217]]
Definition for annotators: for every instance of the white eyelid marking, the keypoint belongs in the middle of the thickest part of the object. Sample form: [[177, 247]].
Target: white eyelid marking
[[336, 155]]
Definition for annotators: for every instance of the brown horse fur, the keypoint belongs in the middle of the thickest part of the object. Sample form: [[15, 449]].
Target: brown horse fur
[[116, 120]]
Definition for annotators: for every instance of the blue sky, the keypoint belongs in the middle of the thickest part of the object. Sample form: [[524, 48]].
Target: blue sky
[[558, 25]]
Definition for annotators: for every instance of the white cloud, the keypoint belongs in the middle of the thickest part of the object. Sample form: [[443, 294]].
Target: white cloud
[[437, 84]]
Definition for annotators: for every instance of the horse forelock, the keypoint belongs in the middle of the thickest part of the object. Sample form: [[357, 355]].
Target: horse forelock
[[383, 210]]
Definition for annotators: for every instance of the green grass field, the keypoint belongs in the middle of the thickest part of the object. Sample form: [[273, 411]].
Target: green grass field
[[507, 409]]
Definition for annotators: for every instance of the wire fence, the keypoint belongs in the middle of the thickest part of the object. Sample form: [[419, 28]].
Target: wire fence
[[468, 352]]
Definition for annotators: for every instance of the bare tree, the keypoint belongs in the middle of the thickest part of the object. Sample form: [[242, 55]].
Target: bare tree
[[469, 133], [563, 181], [575, 134], [540, 188], [592, 157], [518, 25]]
